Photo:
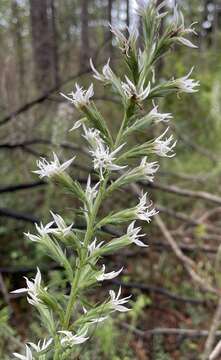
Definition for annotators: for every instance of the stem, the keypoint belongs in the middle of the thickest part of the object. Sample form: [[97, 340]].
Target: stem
[[88, 235], [119, 135]]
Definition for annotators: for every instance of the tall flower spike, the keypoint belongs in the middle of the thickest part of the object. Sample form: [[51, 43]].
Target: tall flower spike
[[33, 289], [116, 303], [165, 147], [27, 356], [107, 276], [71, 339], [80, 97], [133, 234], [107, 73], [131, 91], [142, 210], [54, 167], [103, 159]]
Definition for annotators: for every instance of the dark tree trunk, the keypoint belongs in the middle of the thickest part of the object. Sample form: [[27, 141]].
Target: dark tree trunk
[[54, 42], [128, 12], [108, 33], [19, 49], [44, 43], [84, 51]]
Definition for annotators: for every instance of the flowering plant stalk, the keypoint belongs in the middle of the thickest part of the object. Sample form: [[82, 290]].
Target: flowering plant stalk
[[69, 318]]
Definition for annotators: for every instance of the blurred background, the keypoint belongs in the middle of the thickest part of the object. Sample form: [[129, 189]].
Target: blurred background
[[45, 48]]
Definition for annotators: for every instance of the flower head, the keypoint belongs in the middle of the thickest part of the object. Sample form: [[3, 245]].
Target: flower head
[[165, 147], [116, 303], [148, 169], [142, 209], [108, 276], [185, 84], [33, 289], [181, 30], [107, 73], [41, 346], [133, 234], [71, 339], [103, 159], [91, 192], [126, 44], [54, 167], [92, 136], [93, 246], [61, 229], [80, 97], [159, 117], [27, 356], [131, 91]]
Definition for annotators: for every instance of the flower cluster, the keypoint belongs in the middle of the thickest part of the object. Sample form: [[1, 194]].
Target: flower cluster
[[69, 318]]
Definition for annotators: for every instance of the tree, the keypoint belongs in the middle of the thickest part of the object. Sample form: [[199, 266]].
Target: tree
[[84, 50], [44, 43]]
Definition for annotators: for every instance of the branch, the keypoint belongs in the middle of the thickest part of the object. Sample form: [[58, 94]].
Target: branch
[[169, 331], [185, 192], [212, 332]]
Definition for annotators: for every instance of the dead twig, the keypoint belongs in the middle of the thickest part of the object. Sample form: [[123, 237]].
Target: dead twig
[[212, 332]]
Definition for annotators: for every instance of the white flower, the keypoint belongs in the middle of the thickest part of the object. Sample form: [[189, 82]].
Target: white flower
[[148, 169], [71, 339], [126, 44], [131, 91], [92, 136], [91, 192], [133, 234], [142, 209], [93, 247], [107, 72], [62, 228], [33, 289], [107, 276], [42, 231], [116, 303], [80, 97], [27, 356], [52, 168], [103, 159], [165, 147], [159, 117], [184, 84], [41, 347], [179, 24]]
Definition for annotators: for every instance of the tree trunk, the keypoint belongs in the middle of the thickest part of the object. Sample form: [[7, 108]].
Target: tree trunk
[[84, 51], [108, 33], [19, 49], [54, 42], [44, 44], [128, 12]]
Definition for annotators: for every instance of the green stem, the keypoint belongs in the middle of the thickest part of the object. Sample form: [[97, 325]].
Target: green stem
[[87, 238]]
